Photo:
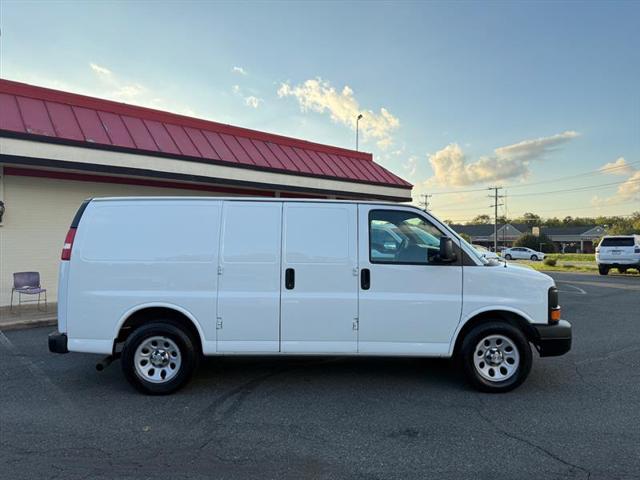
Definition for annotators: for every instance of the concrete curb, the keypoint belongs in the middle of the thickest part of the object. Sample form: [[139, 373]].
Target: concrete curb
[[23, 324]]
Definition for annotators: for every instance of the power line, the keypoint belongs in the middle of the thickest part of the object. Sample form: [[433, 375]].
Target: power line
[[613, 168], [425, 201], [578, 189], [495, 215], [460, 191]]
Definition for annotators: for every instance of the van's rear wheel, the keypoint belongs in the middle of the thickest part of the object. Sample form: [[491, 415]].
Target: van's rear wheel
[[603, 270], [496, 357], [158, 358]]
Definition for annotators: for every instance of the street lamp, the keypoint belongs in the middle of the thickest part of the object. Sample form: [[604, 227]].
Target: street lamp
[[357, 127]]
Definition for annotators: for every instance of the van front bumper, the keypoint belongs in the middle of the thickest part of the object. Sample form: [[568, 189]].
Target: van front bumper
[[553, 339], [58, 342]]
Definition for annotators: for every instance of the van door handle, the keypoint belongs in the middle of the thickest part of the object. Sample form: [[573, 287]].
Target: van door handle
[[365, 279], [289, 278]]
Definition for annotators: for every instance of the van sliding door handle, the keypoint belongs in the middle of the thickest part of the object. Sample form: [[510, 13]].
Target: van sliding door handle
[[289, 278], [365, 279]]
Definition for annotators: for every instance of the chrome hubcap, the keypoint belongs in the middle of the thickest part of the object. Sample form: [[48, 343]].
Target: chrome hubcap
[[496, 358], [157, 359]]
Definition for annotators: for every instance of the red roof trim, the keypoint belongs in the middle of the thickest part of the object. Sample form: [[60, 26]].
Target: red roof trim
[[43, 93], [47, 115]]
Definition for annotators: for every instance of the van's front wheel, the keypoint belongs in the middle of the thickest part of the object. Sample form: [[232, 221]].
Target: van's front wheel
[[496, 356], [158, 358]]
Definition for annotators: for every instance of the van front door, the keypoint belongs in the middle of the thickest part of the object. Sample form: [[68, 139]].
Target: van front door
[[319, 278], [410, 302]]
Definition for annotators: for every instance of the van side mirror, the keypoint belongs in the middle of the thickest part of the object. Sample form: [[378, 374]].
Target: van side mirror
[[447, 254]]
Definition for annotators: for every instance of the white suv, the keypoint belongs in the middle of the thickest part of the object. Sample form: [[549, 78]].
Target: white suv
[[620, 251], [521, 253]]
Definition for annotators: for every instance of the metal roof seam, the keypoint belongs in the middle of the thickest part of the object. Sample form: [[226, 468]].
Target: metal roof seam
[[218, 156], [124, 124]]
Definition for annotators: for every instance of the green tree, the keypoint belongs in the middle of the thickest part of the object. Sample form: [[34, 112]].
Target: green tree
[[536, 242], [531, 219], [484, 219], [465, 236]]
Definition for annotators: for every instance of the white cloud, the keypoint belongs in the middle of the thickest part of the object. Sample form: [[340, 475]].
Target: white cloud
[[320, 96], [451, 167], [100, 70], [628, 190], [618, 167], [115, 88], [411, 165], [239, 70], [253, 102], [536, 148], [249, 100]]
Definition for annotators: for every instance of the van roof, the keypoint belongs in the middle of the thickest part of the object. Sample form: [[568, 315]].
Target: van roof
[[243, 199]]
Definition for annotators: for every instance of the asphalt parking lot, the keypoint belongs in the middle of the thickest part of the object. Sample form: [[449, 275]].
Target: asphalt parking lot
[[577, 416]]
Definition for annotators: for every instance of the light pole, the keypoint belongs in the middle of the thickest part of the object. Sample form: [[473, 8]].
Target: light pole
[[357, 127]]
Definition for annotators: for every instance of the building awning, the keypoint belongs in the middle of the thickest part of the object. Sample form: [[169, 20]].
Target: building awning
[[141, 139]]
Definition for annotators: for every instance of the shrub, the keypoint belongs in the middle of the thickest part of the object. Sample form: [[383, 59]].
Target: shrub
[[550, 261]]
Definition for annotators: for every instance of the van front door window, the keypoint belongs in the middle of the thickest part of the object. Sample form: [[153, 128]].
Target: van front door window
[[402, 237]]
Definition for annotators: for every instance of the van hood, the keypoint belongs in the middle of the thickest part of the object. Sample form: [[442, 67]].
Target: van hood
[[528, 272]]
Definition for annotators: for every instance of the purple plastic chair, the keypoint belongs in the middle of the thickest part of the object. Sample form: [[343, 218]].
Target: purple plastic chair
[[28, 283]]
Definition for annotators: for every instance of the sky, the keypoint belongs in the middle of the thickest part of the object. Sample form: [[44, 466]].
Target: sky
[[540, 98]]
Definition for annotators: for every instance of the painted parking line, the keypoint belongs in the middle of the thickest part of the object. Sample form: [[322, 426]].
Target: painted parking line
[[577, 290], [38, 374], [621, 286]]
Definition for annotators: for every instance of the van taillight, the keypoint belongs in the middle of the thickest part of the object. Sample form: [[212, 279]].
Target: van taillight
[[68, 244]]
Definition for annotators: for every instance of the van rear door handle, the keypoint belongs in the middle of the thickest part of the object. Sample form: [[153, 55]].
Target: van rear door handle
[[289, 278], [365, 279]]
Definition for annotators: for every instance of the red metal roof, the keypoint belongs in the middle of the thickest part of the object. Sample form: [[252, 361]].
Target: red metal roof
[[53, 115]]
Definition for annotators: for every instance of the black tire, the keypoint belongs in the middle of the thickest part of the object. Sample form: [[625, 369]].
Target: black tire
[[622, 270], [468, 350], [534, 258], [507, 257], [189, 357], [603, 270]]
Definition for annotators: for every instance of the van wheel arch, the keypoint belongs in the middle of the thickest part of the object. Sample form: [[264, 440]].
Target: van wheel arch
[[151, 314], [494, 316]]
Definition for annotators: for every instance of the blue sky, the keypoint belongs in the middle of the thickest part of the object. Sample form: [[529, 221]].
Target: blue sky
[[456, 96]]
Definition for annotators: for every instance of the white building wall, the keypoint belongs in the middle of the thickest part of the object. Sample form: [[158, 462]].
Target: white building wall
[[38, 214]]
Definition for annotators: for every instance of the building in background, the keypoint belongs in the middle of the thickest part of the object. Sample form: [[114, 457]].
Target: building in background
[[565, 239], [482, 233], [59, 148]]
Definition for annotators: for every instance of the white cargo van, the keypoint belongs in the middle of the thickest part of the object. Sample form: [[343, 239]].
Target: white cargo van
[[158, 282]]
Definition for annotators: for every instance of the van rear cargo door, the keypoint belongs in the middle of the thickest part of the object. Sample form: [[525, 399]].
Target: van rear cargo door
[[248, 310]]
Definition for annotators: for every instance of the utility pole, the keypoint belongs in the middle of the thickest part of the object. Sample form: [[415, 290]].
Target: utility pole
[[495, 214], [425, 201]]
